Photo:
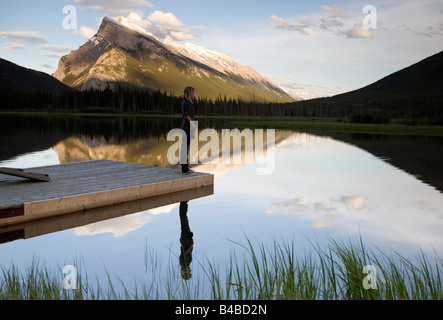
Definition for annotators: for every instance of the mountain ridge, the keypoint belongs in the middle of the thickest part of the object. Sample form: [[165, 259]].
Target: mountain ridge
[[15, 77], [409, 93], [425, 76], [118, 55]]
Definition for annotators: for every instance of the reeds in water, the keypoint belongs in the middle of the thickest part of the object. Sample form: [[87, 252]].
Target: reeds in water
[[336, 271]]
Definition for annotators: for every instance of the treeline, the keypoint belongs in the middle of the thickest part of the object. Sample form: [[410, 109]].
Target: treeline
[[134, 101], [361, 109], [374, 108]]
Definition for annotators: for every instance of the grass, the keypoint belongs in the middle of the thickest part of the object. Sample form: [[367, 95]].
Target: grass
[[309, 125], [276, 272]]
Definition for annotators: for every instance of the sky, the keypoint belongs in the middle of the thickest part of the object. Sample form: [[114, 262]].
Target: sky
[[310, 48]]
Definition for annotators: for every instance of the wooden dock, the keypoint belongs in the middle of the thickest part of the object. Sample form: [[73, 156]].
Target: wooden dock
[[82, 186], [36, 228]]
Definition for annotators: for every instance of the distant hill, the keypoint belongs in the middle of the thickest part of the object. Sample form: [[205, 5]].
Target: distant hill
[[422, 78], [415, 91], [19, 78]]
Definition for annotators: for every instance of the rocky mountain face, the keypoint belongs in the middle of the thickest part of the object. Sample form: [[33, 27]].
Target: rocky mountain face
[[123, 54]]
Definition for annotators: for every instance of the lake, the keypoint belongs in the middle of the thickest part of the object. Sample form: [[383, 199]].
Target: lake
[[385, 189]]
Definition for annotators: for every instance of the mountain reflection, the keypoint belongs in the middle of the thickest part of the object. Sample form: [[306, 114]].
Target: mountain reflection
[[143, 140]]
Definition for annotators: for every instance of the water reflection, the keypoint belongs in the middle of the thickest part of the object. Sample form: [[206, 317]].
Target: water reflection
[[420, 156], [143, 141], [334, 185], [186, 242]]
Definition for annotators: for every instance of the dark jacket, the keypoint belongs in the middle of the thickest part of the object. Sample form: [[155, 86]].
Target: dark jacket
[[187, 110]]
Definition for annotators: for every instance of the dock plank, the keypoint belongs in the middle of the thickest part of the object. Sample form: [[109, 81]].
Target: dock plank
[[90, 184], [23, 174]]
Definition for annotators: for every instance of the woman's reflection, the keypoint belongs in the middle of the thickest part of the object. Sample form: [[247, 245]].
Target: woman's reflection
[[186, 241]]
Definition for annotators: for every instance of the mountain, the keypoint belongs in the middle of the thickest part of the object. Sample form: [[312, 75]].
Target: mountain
[[412, 92], [19, 78], [123, 54], [422, 78]]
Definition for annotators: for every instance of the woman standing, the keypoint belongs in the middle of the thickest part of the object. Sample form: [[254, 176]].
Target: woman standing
[[188, 115]]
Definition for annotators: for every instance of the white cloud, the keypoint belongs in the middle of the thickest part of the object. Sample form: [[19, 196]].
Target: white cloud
[[85, 32], [355, 203], [167, 20], [31, 36], [301, 28], [116, 7], [294, 87], [54, 55], [182, 35], [12, 46], [164, 209], [118, 227], [358, 32], [330, 23], [306, 21], [336, 10], [167, 24], [162, 24], [337, 23], [55, 48], [137, 19]]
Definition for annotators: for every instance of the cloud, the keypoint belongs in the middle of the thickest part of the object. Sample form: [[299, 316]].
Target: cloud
[[167, 20], [164, 209], [47, 66], [33, 37], [115, 7], [358, 32], [85, 32], [306, 22], [295, 85], [10, 46], [118, 227], [433, 31], [55, 48], [138, 19], [327, 24], [336, 10], [163, 25], [307, 25], [337, 23], [54, 55], [331, 208], [300, 28], [355, 203], [167, 24]]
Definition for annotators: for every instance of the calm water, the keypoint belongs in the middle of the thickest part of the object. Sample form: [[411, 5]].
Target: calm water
[[388, 189]]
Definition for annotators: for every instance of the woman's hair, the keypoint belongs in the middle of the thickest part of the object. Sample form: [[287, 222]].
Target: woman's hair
[[187, 92]]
